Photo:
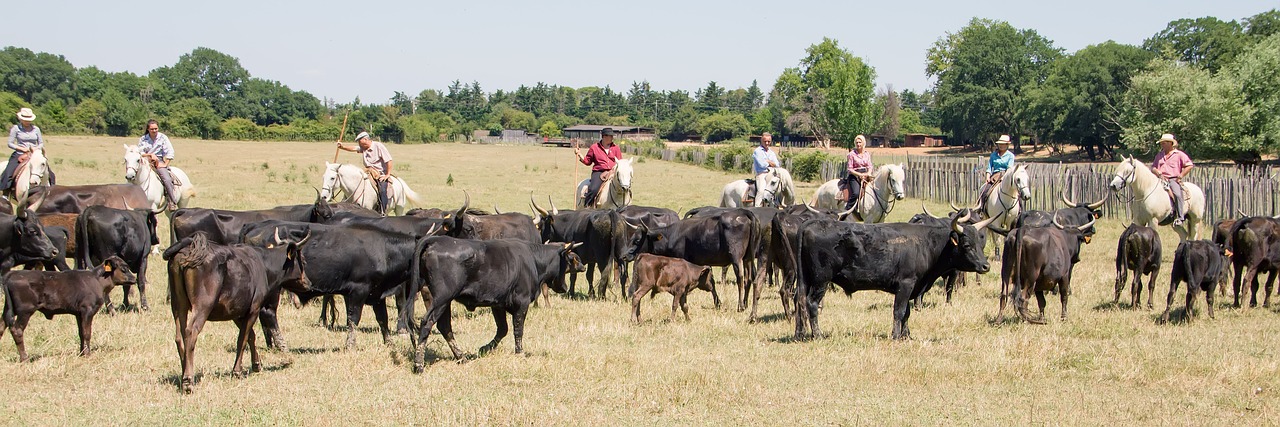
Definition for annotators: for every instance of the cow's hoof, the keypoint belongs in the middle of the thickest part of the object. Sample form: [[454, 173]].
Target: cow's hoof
[[257, 367], [239, 373], [187, 385], [417, 368]]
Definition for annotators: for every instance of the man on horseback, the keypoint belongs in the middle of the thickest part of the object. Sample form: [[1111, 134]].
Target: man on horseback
[[1000, 162], [859, 168], [155, 147], [761, 160], [377, 163], [1172, 164], [602, 157]]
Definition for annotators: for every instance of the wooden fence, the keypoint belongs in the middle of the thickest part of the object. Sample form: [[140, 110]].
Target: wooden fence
[[1228, 189]]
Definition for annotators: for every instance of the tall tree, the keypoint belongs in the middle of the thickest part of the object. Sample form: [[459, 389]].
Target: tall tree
[[36, 77], [890, 124], [983, 72], [1254, 73], [1206, 114], [204, 73], [830, 95], [1078, 101], [1204, 42]]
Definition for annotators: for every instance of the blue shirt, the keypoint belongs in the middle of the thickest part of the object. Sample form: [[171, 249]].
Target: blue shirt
[[20, 138], [160, 147], [760, 159], [1000, 163]]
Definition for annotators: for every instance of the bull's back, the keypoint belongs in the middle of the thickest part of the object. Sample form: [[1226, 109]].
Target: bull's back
[[76, 198]]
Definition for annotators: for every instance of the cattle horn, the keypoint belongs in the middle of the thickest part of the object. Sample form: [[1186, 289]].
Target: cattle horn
[[954, 208], [981, 225], [926, 211], [811, 209], [536, 208], [955, 223], [495, 209], [572, 245], [466, 202], [1098, 204], [430, 231], [276, 234], [1242, 214], [1055, 221], [305, 237], [846, 212], [1086, 226], [1069, 203], [554, 211], [994, 229], [630, 225]]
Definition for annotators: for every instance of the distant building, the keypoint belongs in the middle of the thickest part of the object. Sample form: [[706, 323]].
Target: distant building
[[592, 132], [925, 140]]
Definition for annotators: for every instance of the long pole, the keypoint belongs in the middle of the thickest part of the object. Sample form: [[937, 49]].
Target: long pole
[[341, 133], [576, 166]]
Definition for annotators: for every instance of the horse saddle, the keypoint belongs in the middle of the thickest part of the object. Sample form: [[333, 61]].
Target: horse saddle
[[1168, 219]]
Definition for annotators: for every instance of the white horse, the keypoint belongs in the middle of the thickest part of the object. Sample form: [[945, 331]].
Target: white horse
[[34, 172], [1005, 203], [882, 194], [139, 172], [773, 188], [359, 187], [1151, 205], [614, 193]]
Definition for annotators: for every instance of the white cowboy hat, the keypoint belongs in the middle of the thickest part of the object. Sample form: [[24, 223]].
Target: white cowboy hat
[[1004, 139], [26, 114], [1167, 137]]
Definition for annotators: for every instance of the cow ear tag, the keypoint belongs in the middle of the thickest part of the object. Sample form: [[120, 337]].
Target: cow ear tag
[[954, 242], [106, 267]]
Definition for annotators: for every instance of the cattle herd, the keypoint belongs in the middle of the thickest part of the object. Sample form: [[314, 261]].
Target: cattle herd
[[226, 265]]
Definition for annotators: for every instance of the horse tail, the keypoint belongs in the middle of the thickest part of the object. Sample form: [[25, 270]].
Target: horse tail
[[410, 195]]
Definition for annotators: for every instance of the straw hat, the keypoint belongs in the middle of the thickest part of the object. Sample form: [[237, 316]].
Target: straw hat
[[1004, 139], [1167, 137], [26, 114]]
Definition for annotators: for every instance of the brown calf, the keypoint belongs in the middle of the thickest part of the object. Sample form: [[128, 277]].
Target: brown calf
[[676, 276], [212, 282], [77, 292]]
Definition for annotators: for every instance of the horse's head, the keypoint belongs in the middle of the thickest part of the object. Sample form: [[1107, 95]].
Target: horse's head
[[1022, 182], [329, 181], [767, 186], [38, 165], [1125, 173], [896, 176], [132, 162], [623, 172]]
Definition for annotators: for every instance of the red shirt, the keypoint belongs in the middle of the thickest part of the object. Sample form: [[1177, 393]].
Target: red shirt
[[1171, 165], [600, 158]]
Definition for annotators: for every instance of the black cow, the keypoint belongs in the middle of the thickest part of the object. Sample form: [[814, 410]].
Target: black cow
[[362, 263], [896, 258], [600, 233], [212, 282], [1139, 251], [654, 217], [1074, 215], [724, 239], [1221, 234], [511, 225], [1254, 244], [223, 226], [103, 232], [22, 240], [59, 237], [950, 278], [761, 265], [79, 292], [783, 240], [1040, 259], [502, 274], [1199, 263], [75, 198]]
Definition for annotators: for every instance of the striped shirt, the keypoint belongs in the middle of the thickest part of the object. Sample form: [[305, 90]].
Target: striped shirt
[[20, 138], [859, 162]]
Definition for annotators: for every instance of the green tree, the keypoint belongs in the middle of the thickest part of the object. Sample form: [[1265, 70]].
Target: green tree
[[1254, 73], [890, 121], [1204, 42], [723, 126], [831, 95], [54, 117], [1206, 114], [204, 73], [1263, 25], [550, 129], [192, 117], [90, 115], [762, 121], [36, 77], [10, 101], [1077, 102], [983, 72], [124, 117]]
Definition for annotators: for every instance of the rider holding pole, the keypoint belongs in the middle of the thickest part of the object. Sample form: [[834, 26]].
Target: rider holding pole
[[601, 156], [1172, 164], [377, 163]]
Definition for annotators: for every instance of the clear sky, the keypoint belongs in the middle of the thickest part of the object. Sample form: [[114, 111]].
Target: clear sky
[[369, 49]]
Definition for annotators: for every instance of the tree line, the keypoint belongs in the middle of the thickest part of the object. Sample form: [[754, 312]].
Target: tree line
[[1209, 82]]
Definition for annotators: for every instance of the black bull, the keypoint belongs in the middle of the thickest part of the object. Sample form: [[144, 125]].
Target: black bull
[[729, 238], [599, 231], [897, 258], [900, 259]]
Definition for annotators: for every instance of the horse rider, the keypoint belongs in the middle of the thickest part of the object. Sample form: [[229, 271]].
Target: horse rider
[[602, 157], [1000, 162], [24, 138], [1172, 164], [859, 169], [156, 148], [377, 163], [761, 160]]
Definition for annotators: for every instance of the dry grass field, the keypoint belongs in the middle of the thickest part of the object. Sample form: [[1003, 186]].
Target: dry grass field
[[586, 364]]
